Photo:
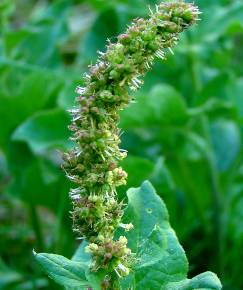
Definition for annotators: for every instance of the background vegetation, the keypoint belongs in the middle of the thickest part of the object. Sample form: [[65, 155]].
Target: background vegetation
[[184, 133]]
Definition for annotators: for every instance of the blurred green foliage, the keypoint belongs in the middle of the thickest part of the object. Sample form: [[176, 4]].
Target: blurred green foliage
[[184, 133]]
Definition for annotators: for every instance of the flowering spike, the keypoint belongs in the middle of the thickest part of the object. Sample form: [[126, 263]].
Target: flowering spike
[[94, 163]]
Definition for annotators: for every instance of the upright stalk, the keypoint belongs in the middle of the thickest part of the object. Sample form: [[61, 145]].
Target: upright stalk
[[93, 165], [35, 220]]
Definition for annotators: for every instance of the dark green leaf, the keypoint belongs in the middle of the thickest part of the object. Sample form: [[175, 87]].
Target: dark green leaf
[[8, 276], [162, 106], [65, 272], [23, 92], [160, 258], [45, 130], [138, 169], [226, 142]]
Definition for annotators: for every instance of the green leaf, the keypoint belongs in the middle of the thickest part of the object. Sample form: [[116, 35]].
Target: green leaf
[[45, 130], [222, 18], [205, 281], [39, 41], [138, 169], [35, 90], [160, 258], [68, 94], [236, 89], [62, 270], [80, 254], [74, 273], [8, 276], [163, 106], [34, 176], [105, 26], [226, 151]]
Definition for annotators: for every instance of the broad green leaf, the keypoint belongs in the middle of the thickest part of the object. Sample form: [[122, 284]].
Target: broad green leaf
[[62, 270], [162, 106], [45, 130], [160, 258], [205, 281], [72, 274]]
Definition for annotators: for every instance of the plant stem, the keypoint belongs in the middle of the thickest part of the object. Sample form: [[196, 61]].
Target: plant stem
[[59, 232], [36, 227]]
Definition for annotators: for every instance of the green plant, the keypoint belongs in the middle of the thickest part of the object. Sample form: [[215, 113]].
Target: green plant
[[154, 258]]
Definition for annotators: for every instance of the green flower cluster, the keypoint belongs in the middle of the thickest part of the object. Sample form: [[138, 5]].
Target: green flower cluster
[[94, 163]]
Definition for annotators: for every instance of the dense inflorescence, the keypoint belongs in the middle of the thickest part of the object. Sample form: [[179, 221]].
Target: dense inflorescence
[[94, 163]]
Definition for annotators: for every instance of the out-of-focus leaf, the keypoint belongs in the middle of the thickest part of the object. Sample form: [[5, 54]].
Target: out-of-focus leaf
[[81, 255], [23, 93], [45, 130], [105, 26], [222, 95], [6, 9], [37, 43], [216, 20], [67, 96], [162, 106], [162, 176], [7, 276], [226, 142], [33, 176], [222, 18], [28, 285], [137, 5], [138, 169], [237, 89]]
